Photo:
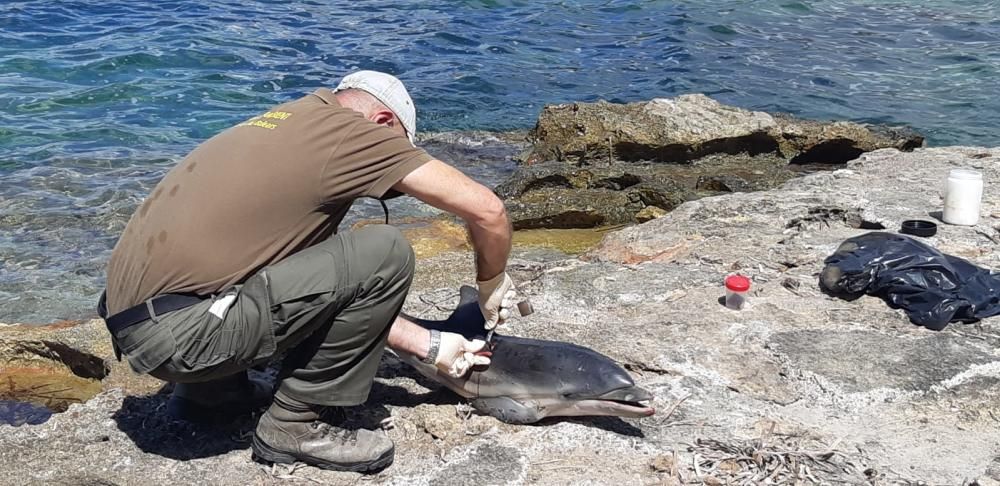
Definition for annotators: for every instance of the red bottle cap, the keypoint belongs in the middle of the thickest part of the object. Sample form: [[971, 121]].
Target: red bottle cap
[[737, 283]]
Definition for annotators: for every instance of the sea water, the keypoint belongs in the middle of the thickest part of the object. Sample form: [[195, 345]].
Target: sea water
[[99, 98]]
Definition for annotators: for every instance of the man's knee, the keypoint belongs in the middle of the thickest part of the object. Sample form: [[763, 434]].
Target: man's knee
[[389, 241]]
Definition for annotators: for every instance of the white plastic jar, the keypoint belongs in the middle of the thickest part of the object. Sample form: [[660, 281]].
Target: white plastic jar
[[962, 197]]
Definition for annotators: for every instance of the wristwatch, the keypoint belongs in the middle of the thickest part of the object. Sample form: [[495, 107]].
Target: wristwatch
[[432, 351]]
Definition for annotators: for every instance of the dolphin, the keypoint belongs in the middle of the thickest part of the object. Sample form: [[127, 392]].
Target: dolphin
[[530, 379]]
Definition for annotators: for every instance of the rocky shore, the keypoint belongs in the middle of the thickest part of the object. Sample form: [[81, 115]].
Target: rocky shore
[[599, 164], [799, 387]]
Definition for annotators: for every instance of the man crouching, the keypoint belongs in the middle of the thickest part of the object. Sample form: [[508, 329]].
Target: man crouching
[[234, 258]]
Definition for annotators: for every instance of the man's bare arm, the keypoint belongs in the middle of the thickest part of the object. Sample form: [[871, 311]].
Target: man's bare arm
[[446, 188], [409, 338]]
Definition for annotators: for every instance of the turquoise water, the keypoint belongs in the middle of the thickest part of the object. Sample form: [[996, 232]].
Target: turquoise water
[[99, 98]]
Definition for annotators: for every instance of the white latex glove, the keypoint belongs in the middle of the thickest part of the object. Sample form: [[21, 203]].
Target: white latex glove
[[457, 356], [496, 299]]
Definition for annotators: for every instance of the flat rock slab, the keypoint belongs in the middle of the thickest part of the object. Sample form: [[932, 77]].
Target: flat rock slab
[[862, 361], [486, 463], [692, 126]]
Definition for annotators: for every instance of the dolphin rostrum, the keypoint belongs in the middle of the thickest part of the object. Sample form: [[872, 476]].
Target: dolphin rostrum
[[530, 379]]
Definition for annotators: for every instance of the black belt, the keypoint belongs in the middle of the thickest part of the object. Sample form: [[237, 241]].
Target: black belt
[[161, 304]]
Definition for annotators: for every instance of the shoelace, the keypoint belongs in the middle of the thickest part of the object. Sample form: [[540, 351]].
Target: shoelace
[[344, 436], [326, 424]]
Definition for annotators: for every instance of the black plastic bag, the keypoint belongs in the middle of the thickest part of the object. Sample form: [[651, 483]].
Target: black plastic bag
[[931, 287]]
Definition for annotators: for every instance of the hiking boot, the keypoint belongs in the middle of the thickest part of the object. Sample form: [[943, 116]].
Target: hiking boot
[[217, 401], [292, 431]]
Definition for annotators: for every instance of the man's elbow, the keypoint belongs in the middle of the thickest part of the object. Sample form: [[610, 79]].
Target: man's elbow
[[491, 213]]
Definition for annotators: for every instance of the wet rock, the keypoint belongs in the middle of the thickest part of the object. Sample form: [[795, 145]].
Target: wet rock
[[671, 130], [691, 126], [77, 345], [723, 183], [581, 208], [58, 364], [563, 241], [428, 236], [814, 142], [626, 157], [557, 196], [649, 213]]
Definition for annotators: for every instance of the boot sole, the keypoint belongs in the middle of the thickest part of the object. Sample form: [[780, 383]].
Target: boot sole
[[266, 453]]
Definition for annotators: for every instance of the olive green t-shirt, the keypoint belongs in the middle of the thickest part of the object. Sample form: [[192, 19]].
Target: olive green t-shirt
[[252, 195]]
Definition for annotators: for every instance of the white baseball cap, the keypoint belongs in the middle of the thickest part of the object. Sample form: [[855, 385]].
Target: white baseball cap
[[390, 91]]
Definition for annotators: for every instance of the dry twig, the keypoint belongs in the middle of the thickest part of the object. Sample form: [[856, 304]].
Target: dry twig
[[672, 408], [773, 459]]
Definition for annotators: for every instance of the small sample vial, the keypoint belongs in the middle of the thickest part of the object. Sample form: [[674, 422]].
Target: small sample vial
[[524, 308], [737, 287]]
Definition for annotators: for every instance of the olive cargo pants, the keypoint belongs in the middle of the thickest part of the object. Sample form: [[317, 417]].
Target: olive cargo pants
[[329, 306]]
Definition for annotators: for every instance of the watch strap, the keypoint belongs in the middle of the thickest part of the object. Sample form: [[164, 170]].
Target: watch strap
[[435, 347]]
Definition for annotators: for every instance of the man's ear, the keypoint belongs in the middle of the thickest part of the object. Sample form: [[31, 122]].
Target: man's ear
[[384, 117]]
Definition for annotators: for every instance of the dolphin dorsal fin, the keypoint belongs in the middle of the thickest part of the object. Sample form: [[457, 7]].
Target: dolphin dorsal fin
[[467, 319], [467, 295]]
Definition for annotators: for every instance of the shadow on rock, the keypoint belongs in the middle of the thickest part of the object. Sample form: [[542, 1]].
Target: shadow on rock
[[401, 397], [610, 424], [145, 420], [384, 394]]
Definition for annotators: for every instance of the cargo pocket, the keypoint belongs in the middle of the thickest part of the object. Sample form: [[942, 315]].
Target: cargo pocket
[[231, 332], [252, 311], [205, 341], [147, 346]]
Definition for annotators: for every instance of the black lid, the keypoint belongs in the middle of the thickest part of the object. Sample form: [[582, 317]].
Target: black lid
[[918, 227]]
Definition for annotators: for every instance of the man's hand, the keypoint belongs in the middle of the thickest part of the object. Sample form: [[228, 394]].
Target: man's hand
[[496, 299], [457, 355], [450, 352]]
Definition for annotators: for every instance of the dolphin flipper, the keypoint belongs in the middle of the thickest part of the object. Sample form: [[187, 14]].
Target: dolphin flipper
[[508, 410]]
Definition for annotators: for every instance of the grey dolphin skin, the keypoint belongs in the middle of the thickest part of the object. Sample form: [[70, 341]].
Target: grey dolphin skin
[[530, 379]]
